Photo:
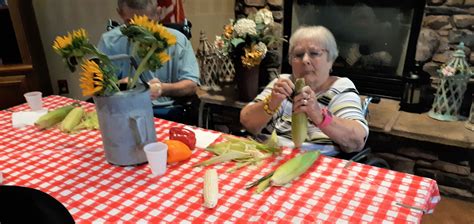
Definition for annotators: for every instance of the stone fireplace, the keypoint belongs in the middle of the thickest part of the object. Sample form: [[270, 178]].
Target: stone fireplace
[[376, 39], [444, 24]]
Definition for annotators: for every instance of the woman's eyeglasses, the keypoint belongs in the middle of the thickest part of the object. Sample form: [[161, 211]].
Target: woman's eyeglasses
[[312, 54]]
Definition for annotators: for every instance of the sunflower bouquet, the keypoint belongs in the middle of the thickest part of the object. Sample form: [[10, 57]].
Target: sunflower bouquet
[[98, 77], [248, 39]]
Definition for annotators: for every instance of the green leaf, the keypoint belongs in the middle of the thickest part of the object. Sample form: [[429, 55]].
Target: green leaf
[[231, 155], [235, 42]]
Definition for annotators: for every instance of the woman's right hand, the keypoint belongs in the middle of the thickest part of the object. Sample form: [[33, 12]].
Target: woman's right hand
[[282, 89]]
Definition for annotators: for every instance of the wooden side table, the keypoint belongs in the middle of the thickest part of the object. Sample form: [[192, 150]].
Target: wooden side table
[[215, 98]]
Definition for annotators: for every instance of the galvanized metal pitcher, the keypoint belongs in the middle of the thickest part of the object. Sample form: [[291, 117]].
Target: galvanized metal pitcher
[[126, 124]]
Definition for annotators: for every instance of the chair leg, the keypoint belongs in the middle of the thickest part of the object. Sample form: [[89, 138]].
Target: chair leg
[[361, 155], [378, 162]]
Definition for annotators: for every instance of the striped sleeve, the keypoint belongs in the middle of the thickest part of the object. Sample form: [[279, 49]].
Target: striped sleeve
[[347, 105]]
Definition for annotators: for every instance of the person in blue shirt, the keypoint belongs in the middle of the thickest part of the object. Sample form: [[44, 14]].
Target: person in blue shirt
[[179, 77]]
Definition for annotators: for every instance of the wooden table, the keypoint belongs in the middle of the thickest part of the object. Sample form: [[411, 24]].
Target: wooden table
[[215, 98]]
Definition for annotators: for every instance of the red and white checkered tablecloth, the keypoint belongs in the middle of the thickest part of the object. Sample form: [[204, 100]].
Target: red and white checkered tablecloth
[[73, 169]]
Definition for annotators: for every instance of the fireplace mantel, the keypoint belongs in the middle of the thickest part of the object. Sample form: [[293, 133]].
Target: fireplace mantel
[[386, 117]]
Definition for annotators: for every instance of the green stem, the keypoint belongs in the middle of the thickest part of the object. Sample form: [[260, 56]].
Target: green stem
[[133, 54], [116, 87], [142, 66], [107, 62]]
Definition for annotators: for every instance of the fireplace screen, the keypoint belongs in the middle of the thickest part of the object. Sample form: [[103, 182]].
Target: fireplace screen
[[376, 39]]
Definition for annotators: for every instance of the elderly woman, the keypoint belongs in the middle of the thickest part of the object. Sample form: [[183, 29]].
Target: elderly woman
[[331, 103]]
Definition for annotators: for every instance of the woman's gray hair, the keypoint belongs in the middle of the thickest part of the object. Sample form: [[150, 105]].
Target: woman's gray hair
[[320, 35]]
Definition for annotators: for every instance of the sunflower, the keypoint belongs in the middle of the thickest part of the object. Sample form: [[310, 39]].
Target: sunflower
[[157, 30], [98, 75], [63, 42], [92, 78], [164, 57]]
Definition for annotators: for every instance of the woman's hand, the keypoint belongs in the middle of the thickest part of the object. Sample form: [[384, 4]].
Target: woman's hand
[[305, 102], [282, 89], [155, 88]]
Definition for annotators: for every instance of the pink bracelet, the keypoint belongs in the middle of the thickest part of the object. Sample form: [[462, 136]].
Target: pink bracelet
[[327, 118]]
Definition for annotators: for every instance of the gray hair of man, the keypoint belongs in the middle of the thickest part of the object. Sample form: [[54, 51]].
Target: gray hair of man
[[137, 4], [320, 35]]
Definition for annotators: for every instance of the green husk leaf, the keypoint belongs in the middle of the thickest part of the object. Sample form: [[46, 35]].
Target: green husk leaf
[[231, 155], [263, 186], [255, 183]]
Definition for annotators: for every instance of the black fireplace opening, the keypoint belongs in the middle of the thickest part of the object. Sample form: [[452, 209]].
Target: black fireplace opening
[[376, 39]]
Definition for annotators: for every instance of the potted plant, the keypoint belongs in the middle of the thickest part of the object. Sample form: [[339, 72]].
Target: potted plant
[[246, 41], [125, 115]]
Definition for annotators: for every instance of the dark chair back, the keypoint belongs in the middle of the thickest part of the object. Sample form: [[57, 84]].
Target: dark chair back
[[28, 205]]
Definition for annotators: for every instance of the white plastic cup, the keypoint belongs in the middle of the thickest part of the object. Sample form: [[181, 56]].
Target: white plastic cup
[[157, 155], [34, 100]]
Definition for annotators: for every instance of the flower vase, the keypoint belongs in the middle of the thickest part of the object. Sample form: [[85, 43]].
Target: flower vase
[[126, 125], [247, 81], [448, 98]]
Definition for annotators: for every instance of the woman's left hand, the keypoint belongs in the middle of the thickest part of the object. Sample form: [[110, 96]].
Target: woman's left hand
[[305, 102]]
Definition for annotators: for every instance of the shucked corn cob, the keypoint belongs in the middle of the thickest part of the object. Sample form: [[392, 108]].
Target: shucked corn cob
[[211, 188], [299, 121], [72, 119], [53, 117], [286, 172]]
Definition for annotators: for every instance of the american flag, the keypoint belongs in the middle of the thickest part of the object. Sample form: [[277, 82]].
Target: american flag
[[172, 11]]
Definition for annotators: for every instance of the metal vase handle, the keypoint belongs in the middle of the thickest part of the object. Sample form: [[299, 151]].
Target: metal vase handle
[[140, 134]]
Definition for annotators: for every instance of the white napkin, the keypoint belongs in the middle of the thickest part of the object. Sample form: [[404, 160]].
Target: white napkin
[[24, 118], [203, 138]]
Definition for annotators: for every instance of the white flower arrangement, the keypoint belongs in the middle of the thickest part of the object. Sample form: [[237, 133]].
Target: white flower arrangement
[[244, 27], [248, 39]]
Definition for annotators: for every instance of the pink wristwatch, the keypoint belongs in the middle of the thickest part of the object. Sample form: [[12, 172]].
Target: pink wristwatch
[[327, 118]]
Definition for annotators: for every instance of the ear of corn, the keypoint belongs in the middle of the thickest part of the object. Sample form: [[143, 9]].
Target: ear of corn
[[90, 121], [211, 188], [72, 119], [294, 168], [299, 121], [53, 117]]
